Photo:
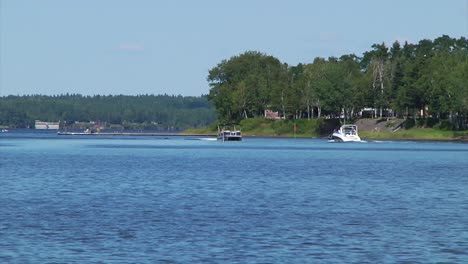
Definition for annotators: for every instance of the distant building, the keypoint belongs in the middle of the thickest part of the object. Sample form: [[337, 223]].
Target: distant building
[[269, 114], [46, 125], [369, 112]]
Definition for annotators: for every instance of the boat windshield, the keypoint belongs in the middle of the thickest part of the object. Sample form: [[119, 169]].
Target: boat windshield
[[349, 131]]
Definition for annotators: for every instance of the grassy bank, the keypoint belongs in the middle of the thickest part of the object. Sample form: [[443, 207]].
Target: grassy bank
[[277, 128], [416, 134], [315, 128], [209, 130]]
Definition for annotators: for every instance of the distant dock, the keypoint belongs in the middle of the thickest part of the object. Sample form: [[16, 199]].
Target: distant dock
[[130, 134]]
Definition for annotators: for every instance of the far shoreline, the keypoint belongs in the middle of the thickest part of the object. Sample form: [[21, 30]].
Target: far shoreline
[[460, 140], [194, 133]]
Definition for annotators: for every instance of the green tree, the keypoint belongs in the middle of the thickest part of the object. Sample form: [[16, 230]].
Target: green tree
[[243, 85]]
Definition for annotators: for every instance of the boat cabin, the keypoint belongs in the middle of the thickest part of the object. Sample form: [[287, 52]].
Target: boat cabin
[[229, 132]]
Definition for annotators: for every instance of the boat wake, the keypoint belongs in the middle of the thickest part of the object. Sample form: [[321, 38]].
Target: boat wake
[[208, 139]]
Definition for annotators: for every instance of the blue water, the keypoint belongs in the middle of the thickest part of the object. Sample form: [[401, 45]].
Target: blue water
[[184, 200]]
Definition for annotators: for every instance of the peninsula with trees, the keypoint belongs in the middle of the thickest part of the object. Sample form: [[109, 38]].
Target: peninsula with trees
[[423, 85]]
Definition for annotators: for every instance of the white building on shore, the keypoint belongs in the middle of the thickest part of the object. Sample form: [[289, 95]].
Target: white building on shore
[[46, 125]]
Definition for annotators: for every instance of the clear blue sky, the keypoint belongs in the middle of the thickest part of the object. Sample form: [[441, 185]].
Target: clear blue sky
[[163, 46]]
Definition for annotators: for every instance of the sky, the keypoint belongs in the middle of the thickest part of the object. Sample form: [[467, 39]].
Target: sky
[[104, 47]]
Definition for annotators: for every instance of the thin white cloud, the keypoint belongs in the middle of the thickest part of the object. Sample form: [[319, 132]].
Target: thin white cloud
[[131, 46]]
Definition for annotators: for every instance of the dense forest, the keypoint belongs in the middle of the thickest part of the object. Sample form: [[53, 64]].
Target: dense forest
[[426, 81], [163, 112]]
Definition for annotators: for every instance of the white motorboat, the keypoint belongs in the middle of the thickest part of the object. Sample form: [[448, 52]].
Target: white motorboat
[[346, 133]]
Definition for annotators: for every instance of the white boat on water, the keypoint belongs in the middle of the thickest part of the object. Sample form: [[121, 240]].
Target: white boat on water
[[229, 132], [346, 133]]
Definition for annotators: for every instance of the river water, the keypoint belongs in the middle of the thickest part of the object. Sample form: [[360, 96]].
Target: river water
[[67, 199]]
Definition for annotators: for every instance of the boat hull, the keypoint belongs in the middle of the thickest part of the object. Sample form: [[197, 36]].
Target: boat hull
[[230, 138], [344, 138]]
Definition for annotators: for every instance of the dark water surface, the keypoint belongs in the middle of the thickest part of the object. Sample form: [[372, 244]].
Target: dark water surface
[[185, 200]]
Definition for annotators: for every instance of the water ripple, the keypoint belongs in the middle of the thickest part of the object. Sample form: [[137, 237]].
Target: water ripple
[[260, 201], [294, 148]]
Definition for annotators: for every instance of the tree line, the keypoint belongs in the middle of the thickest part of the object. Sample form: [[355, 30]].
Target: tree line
[[142, 111], [427, 80]]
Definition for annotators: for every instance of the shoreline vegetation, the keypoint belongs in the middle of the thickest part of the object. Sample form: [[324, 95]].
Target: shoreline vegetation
[[320, 128], [368, 129]]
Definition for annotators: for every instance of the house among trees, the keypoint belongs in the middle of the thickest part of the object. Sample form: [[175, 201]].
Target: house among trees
[[270, 114]]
